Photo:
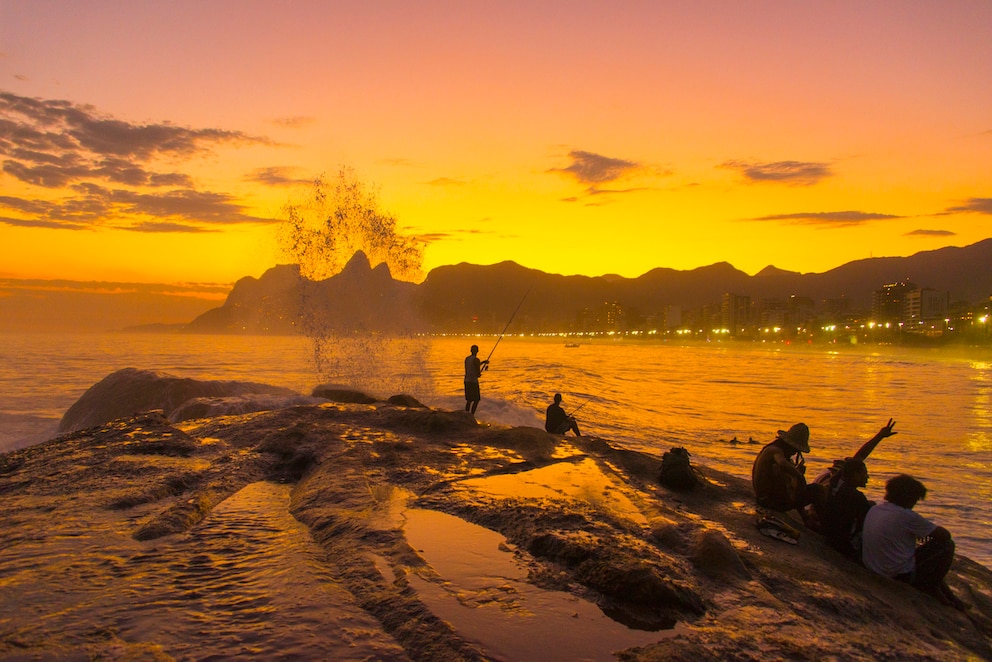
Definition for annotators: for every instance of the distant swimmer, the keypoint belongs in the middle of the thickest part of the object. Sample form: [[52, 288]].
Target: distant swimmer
[[473, 370], [779, 471], [557, 421]]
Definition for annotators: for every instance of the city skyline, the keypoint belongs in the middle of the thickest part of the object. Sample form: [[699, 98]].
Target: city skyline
[[153, 144]]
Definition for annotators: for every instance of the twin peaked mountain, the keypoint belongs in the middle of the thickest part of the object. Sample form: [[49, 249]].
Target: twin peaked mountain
[[472, 298]]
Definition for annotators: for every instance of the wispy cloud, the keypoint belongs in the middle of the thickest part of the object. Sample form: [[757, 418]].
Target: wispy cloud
[[828, 218], [972, 205], [151, 227], [105, 169], [400, 162], [210, 291], [930, 233], [447, 182], [595, 190], [456, 235], [796, 173], [278, 176], [296, 122], [590, 168]]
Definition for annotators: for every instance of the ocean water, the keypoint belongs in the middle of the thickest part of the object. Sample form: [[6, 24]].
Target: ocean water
[[721, 401]]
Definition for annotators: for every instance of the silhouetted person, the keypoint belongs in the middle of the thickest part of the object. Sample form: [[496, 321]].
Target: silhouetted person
[[557, 421], [473, 370], [839, 506], [779, 481], [891, 533], [842, 512]]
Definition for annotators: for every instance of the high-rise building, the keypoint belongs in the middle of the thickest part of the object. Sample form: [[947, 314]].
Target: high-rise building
[[925, 305], [735, 313], [888, 304]]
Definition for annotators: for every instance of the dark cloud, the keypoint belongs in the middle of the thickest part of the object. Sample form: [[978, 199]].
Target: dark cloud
[[277, 176], [930, 233], [590, 168], [215, 208], [47, 175], [828, 218], [40, 223], [47, 125], [973, 205], [98, 160], [93, 205], [799, 173]]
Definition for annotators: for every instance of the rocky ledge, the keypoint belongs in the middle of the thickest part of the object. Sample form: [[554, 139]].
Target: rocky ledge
[[125, 504]]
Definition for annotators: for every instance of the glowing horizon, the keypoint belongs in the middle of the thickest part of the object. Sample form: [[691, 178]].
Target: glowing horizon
[[146, 143]]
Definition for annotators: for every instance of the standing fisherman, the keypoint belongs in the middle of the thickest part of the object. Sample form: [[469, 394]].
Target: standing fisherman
[[474, 366], [473, 370]]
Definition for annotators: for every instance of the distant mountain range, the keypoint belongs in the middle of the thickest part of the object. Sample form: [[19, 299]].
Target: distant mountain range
[[467, 297]]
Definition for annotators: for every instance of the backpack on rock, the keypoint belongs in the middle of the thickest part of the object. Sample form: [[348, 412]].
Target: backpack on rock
[[676, 472]]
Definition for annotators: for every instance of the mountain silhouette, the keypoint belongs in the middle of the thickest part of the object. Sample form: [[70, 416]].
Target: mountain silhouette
[[282, 301], [469, 297]]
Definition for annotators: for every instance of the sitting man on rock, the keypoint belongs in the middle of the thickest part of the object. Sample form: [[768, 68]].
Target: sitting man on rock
[[779, 472], [842, 512], [839, 507], [557, 421], [892, 536]]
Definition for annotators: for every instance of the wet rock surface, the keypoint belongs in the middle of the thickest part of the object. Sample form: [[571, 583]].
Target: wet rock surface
[[166, 536]]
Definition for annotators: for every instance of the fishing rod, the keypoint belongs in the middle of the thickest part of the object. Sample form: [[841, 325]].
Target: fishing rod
[[580, 407], [486, 366]]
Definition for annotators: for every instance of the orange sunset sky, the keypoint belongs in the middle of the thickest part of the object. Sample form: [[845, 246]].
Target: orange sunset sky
[[159, 142]]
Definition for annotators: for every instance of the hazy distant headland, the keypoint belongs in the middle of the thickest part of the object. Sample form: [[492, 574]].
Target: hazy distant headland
[[717, 299], [871, 298]]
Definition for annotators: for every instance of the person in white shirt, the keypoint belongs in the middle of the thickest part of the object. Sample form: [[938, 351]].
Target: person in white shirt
[[892, 531]]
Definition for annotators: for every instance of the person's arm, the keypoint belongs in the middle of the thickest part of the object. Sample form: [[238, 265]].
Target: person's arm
[[787, 465], [939, 534], [869, 445]]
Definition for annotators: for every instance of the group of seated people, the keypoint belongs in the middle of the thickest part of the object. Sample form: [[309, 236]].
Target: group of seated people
[[889, 538]]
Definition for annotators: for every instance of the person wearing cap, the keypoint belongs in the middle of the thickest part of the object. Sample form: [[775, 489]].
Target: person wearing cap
[[557, 421], [779, 471], [473, 370]]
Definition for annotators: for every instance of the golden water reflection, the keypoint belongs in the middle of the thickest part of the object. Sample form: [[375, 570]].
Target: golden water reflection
[[583, 480]]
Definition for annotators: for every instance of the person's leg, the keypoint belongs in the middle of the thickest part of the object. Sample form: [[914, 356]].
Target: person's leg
[[933, 560], [472, 396]]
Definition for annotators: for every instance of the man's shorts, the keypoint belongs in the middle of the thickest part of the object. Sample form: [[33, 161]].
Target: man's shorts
[[472, 392]]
